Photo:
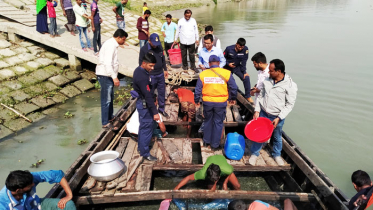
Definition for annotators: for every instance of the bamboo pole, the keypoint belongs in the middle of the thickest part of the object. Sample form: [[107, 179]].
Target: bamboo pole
[[15, 111]]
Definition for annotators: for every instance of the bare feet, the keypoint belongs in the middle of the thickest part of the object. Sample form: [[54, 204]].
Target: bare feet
[[52, 36], [72, 33], [57, 35]]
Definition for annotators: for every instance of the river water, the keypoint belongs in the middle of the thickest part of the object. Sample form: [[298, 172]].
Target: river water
[[326, 46]]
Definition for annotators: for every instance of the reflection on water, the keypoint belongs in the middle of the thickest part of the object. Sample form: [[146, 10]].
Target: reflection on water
[[54, 138], [326, 46]]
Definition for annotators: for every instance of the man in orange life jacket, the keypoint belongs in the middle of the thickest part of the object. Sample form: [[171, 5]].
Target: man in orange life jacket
[[216, 86]]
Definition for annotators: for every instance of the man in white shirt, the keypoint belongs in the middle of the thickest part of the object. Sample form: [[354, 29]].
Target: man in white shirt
[[187, 31], [107, 75], [216, 42], [260, 63]]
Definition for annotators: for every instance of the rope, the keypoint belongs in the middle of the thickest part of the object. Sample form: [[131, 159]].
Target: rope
[[177, 76]]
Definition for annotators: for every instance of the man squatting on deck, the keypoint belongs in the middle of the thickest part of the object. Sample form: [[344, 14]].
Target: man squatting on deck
[[107, 75], [216, 86], [275, 102], [145, 104], [19, 191], [215, 167]]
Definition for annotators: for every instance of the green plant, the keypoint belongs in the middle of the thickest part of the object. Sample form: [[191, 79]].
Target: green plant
[[82, 141], [68, 115], [215, 1], [97, 85], [36, 165]]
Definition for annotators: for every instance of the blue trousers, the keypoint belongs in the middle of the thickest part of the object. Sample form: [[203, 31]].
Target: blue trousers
[[143, 42], [246, 82], [159, 84], [213, 124], [83, 30], [276, 137], [107, 97], [145, 129]]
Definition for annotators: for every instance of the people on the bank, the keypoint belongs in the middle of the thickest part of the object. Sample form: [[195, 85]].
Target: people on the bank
[[51, 4], [19, 191], [143, 28], [237, 56], [187, 31], [81, 24], [215, 43], [134, 122], [168, 30], [362, 184], [259, 205], [208, 50], [146, 107], [41, 16], [68, 12], [188, 108], [216, 166], [159, 73], [144, 7], [96, 26], [275, 102], [107, 76], [260, 63], [216, 86], [118, 9]]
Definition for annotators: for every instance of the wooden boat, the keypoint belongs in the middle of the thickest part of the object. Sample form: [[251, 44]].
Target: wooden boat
[[299, 179]]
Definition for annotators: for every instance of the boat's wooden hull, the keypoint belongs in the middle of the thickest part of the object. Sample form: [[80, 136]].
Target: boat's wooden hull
[[303, 180]]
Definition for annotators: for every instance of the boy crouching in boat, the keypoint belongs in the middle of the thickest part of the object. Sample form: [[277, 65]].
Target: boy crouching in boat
[[215, 167], [188, 107], [20, 191]]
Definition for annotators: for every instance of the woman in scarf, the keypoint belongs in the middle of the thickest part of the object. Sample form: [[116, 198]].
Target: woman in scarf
[[41, 17]]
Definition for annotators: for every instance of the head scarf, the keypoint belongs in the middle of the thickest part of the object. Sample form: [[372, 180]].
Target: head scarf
[[40, 4]]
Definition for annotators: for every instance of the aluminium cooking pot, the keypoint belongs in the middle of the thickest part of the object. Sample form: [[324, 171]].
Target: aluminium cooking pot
[[106, 166]]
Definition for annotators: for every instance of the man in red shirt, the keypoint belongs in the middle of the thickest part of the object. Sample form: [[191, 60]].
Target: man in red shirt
[[143, 28], [188, 108]]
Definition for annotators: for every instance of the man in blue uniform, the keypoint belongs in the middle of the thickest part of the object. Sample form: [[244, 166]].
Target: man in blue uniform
[[145, 104], [216, 86], [159, 73], [236, 56]]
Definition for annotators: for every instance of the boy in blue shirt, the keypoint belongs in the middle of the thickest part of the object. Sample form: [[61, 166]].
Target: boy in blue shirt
[[20, 191], [168, 29]]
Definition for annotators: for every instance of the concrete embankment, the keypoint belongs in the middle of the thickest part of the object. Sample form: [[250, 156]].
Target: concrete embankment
[[32, 79]]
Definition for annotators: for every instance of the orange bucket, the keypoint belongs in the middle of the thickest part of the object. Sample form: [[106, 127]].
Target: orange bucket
[[175, 55]]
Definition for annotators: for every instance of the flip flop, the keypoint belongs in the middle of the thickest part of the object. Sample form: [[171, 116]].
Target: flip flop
[[111, 127]]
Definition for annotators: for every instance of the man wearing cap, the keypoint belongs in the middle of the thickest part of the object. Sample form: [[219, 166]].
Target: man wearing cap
[[209, 50], [216, 86], [159, 73], [237, 56]]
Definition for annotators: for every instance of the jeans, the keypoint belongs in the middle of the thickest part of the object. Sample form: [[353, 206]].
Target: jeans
[[143, 42], [276, 137], [52, 204], [167, 46], [184, 51], [97, 37], [158, 83], [145, 129], [107, 97], [213, 124], [246, 82], [83, 30], [52, 26], [121, 24]]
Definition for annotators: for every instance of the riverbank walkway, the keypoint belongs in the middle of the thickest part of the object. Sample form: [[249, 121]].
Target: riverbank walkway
[[21, 23]]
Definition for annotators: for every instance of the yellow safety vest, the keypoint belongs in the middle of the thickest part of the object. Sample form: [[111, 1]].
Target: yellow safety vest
[[215, 89]]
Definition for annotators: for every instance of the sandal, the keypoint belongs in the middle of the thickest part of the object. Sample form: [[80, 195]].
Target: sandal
[[110, 127], [121, 120]]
